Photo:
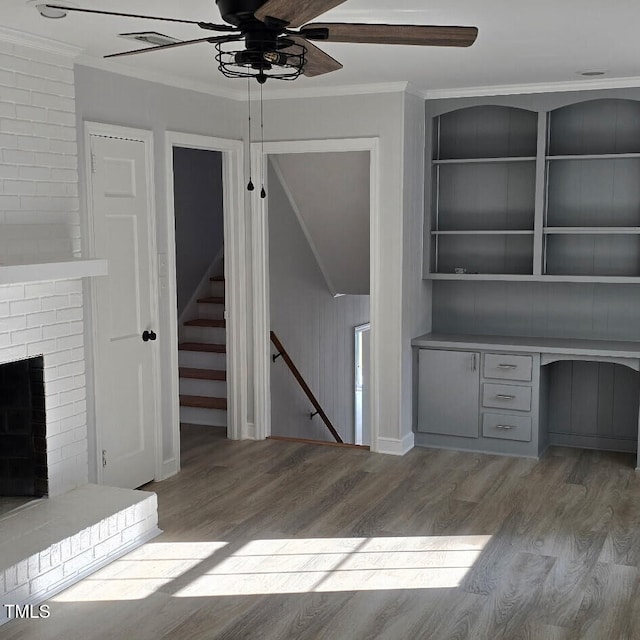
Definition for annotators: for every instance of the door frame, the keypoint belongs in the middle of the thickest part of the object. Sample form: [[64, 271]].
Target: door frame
[[260, 276], [358, 330], [235, 275], [92, 349]]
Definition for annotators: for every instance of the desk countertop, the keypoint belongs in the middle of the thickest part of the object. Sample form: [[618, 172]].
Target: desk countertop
[[568, 346]]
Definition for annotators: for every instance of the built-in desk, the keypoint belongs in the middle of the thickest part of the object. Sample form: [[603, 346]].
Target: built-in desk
[[517, 395]]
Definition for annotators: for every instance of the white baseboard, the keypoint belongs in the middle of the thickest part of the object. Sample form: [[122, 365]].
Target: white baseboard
[[170, 468], [395, 446]]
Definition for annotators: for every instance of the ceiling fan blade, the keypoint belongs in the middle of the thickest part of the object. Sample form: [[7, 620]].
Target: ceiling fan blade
[[317, 62], [173, 45], [423, 35], [295, 12], [204, 25]]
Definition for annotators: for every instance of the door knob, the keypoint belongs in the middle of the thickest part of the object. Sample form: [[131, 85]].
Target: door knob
[[148, 335]]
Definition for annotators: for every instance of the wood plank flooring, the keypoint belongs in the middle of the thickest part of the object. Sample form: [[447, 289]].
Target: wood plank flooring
[[275, 541]]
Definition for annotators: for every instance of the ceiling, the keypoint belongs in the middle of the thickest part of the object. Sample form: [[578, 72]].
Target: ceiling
[[519, 43]]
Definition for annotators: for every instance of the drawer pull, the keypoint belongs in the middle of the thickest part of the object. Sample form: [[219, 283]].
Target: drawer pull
[[505, 427], [504, 396], [507, 366]]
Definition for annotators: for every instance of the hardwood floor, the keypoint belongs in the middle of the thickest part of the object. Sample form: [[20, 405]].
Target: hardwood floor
[[276, 541]]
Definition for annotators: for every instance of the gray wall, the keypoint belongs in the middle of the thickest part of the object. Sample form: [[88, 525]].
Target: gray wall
[[331, 193], [197, 176], [556, 310], [379, 116], [315, 328], [416, 292], [109, 98]]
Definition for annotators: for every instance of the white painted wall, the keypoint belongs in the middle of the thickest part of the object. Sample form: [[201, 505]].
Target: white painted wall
[[331, 194], [315, 328]]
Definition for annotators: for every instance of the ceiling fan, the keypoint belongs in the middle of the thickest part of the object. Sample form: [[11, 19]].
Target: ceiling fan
[[273, 38]]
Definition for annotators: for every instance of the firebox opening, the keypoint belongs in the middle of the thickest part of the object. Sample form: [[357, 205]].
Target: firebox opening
[[23, 444]]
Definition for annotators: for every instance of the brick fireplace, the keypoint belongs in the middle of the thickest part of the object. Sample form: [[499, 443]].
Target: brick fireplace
[[49, 544], [45, 320]]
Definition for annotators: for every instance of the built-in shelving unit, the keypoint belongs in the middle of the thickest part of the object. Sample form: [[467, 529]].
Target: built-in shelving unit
[[535, 256], [537, 196]]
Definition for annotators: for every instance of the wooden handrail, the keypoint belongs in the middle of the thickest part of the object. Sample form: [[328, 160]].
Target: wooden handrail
[[305, 387]]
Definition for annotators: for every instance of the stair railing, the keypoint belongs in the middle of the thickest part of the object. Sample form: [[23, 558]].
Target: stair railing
[[305, 387]]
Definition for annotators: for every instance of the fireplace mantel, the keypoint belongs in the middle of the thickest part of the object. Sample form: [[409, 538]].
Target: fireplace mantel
[[52, 270]]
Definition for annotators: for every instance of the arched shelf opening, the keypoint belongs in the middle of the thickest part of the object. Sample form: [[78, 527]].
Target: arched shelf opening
[[592, 214], [484, 173], [595, 127]]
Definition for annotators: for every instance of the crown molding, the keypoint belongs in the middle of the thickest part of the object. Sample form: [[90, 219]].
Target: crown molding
[[336, 91], [328, 92], [160, 78], [13, 36], [542, 87], [240, 95]]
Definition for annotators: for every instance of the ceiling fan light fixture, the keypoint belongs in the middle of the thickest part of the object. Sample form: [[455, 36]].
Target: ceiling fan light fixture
[[260, 60]]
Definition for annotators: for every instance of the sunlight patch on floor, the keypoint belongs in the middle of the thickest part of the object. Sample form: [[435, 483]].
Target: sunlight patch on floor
[[340, 564], [141, 572]]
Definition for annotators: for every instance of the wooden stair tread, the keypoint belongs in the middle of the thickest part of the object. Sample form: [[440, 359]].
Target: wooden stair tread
[[211, 300], [205, 322], [202, 374], [202, 346], [203, 402]]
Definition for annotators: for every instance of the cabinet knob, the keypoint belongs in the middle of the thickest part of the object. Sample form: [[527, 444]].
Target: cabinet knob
[[148, 335]]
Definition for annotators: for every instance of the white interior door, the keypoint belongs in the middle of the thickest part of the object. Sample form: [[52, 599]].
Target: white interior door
[[124, 307]]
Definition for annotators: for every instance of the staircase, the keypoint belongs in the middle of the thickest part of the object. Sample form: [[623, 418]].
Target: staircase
[[202, 358]]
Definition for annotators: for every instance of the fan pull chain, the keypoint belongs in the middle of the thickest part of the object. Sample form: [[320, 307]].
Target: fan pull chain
[[263, 193], [250, 186]]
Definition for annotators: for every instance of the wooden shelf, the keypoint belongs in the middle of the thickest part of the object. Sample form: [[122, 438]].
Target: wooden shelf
[[513, 277], [484, 160], [593, 230], [483, 276], [485, 232], [595, 156]]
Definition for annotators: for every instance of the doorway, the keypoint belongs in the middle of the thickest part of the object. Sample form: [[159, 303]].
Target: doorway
[[361, 392], [264, 368], [199, 228], [211, 310]]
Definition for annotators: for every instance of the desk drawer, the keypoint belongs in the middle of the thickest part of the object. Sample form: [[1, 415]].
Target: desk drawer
[[506, 396], [507, 367], [495, 425]]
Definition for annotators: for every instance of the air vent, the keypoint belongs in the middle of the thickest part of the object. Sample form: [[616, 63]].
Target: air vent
[[150, 37]]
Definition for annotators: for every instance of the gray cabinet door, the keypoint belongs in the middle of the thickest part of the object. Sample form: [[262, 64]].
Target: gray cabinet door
[[448, 390]]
